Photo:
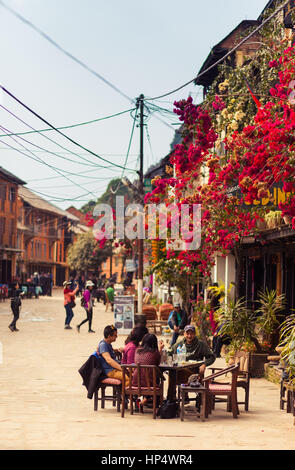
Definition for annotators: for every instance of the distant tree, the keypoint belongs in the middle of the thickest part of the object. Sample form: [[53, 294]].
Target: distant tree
[[88, 207], [114, 188], [85, 254]]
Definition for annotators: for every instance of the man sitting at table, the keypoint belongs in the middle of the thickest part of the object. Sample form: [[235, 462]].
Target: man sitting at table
[[105, 351], [196, 350]]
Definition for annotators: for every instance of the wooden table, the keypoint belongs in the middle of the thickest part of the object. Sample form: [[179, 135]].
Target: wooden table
[[154, 324], [172, 370], [182, 391]]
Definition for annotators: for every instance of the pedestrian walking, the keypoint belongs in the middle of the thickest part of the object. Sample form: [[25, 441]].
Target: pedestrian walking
[[88, 305], [69, 303], [110, 297], [15, 305]]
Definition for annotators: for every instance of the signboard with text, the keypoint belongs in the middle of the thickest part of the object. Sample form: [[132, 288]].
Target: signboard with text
[[275, 196], [124, 313]]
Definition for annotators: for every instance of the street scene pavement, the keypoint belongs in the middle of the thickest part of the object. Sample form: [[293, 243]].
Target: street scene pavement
[[45, 406]]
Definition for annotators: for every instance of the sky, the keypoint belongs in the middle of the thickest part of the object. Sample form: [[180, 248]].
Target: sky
[[148, 48]]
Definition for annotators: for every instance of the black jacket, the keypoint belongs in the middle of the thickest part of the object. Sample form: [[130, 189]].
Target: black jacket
[[92, 375]]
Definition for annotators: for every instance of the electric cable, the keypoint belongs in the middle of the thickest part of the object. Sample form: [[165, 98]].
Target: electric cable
[[54, 128], [51, 152], [36, 158], [47, 138], [72, 125], [264, 22], [64, 51], [127, 154], [150, 144]]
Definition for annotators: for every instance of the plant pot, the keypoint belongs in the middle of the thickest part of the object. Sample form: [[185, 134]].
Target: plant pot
[[261, 224], [271, 223], [256, 364], [287, 219]]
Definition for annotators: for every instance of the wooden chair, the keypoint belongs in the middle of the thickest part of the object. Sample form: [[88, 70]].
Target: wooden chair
[[242, 382], [287, 395], [115, 397], [144, 380], [164, 311], [151, 316], [116, 386], [214, 389]]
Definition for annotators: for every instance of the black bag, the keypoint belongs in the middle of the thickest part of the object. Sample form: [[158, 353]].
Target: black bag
[[72, 304], [83, 302], [168, 410]]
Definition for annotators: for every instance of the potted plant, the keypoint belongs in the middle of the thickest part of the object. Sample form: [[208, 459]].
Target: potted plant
[[273, 219], [269, 312], [238, 322], [253, 332]]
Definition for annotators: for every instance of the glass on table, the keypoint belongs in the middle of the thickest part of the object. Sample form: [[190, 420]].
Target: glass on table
[[169, 360]]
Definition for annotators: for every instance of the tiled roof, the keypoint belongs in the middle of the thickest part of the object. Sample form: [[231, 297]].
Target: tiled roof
[[6, 174], [36, 201]]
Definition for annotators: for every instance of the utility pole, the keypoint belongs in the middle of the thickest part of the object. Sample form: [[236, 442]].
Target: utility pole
[[111, 254], [140, 102]]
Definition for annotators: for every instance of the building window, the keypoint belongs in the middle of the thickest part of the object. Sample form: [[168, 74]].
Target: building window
[[2, 229], [12, 196], [3, 191]]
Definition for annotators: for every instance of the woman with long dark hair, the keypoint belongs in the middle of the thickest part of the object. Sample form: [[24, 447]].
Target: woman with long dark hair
[[131, 343], [147, 354]]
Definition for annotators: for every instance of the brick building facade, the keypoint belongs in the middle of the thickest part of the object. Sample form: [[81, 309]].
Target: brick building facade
[[9, 251], [44, 233]]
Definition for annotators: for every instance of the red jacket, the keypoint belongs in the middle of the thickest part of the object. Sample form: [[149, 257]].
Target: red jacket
[[69, 295]]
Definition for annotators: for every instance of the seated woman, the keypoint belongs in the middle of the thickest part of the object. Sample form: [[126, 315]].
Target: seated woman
[[147, 354], [131, 343]]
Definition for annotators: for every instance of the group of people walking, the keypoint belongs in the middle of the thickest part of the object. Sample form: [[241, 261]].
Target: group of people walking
[[86, 302], [88, 296]]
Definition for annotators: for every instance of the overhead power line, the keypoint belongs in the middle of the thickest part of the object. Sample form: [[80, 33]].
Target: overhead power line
[[75, 59], [225, 56], [54, 128], [114, 191], [88, 162], [64, 51], [72, 125], [38, 159]]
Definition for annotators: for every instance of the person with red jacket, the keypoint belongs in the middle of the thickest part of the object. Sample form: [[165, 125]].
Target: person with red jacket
[[69, 299]]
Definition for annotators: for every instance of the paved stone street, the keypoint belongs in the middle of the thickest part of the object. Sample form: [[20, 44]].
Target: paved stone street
[[44, 406]]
